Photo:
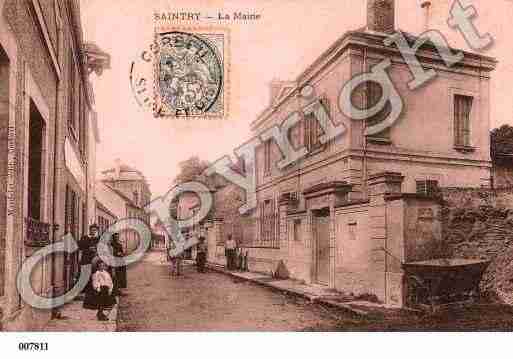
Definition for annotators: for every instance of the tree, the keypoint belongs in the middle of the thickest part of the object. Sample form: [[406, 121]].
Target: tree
[[501, 142], [190, 169]]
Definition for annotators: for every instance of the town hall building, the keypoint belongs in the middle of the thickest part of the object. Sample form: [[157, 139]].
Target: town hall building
[[354, 209]]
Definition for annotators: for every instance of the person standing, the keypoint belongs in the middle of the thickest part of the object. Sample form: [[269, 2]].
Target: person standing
[[120, 281], [201, 254], [102, 284], [88, 250], [175, 260], [230, 247]]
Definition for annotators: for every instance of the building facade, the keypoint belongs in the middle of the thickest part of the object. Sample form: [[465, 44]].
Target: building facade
[[46, 120], [104, 217], [124, 191], [354, 208]]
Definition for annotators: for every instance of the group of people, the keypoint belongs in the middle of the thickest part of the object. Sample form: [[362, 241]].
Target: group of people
[[106, 282], [234, 257], [201, 258]]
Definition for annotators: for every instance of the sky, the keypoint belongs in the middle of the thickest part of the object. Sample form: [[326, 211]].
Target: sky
[[289, 36]]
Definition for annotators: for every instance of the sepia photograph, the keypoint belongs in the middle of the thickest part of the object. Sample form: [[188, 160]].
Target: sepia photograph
[[252, 174]]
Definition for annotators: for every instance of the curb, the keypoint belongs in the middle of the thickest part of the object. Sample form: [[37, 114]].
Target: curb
[[75, 318], [312, 298]]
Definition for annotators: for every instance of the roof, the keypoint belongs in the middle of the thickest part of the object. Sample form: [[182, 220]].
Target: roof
[[104, 208], [122, 195], [126, 173], [363, 37]]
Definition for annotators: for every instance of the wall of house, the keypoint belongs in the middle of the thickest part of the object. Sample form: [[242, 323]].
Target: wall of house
[[456, 174], [91, 167], [327, 85], [110, 199], [354, 270], [129, 187], [103, 219], [430, 109], [30, 77]]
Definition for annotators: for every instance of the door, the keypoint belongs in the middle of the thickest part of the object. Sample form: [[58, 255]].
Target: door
[[322, 249]]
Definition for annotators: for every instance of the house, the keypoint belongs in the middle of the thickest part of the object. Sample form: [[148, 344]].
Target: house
[[124, 191], [354, 209], [104, 217], [48, 133]]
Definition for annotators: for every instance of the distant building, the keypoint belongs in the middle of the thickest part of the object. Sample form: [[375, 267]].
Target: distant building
[[123, 190], [128, 180], [104, 217], [160, 236]]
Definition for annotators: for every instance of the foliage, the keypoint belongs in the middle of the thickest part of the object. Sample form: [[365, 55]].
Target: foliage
[[190, 169], [501, 142]]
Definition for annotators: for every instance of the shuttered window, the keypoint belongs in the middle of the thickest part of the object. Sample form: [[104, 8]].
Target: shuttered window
[[313, 130], [268, 224], [462, 111]]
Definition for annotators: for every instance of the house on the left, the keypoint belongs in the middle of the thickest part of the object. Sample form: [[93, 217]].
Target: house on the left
[[48, 136]]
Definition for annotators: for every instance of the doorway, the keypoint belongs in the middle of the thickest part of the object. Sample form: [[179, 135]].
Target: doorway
[[322, 246]]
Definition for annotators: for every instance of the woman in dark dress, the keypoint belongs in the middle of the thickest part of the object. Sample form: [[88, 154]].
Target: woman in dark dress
[[201, 255], [87, 246], [120, 281]]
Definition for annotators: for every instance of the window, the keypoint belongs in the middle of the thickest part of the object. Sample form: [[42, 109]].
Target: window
[[71, 93], [84, 219], [462, 111], [373, 96], [297, 230], [267, 157], [313, 130], [136, 198], [352, 231], [82, 138], [71, 212], [268, 224], [427, 187], [35, 163]]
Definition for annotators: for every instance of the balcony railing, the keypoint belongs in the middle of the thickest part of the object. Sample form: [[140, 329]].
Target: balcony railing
[[37, 234]]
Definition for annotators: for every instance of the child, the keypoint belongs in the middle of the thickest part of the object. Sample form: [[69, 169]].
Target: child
[[102, 284]]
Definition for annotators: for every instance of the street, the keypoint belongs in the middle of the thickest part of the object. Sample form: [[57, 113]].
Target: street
[[210, 301]]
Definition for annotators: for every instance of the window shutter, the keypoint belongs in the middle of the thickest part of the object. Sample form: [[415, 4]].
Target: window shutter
[[466, 120], [462, 112]]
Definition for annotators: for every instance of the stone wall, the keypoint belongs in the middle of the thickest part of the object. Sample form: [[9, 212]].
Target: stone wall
[[502, 175], [478, 223]]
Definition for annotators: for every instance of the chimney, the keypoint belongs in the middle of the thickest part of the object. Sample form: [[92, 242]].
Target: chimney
[[426, 6], [381, 16], [117, 167]]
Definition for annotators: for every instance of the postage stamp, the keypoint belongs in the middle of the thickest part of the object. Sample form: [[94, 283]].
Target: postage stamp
[[190, 72]]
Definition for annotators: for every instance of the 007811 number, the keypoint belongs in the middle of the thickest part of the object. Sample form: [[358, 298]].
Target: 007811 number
[[33, 346]]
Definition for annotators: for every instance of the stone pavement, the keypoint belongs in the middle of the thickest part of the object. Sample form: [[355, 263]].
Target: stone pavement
[[77, 319], [212, 301], [315, 293]]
